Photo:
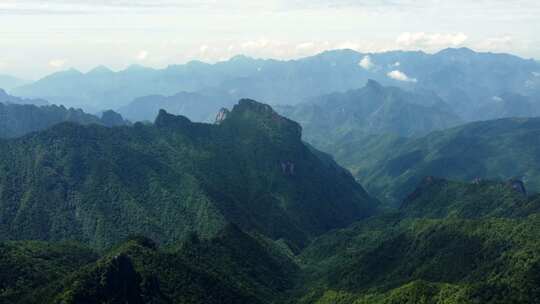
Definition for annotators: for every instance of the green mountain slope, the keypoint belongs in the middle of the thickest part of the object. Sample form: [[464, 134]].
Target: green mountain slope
[[98, 185], [233, 267], [440, 198], [470, 254], [485, 249], [26, 266], [391, 167]]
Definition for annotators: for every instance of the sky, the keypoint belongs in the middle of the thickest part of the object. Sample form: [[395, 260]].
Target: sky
[[39, 37]]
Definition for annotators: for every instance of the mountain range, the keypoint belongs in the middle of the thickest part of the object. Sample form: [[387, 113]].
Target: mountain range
[[464, 79], [6, 98], [195, 106], [8, 82], [385, 178], [20, 119]]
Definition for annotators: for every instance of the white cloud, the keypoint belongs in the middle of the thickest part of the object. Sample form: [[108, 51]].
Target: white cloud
[[366, 63], [256, 44], [536, 74], [349, 45], [142, 55], [496, 98], [495, 43], [400, 76], [396, 64], [305, 46], [430, 41], [57, 63], [203, 48]]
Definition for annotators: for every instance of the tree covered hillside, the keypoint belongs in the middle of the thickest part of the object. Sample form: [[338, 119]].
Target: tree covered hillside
[[451, 242], [390, 167], [167, 180]]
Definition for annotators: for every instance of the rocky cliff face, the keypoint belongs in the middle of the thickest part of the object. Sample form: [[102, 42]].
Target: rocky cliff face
[[221, 116]]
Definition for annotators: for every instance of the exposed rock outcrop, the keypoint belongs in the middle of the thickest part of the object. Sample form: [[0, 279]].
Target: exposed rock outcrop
[[221, 116]]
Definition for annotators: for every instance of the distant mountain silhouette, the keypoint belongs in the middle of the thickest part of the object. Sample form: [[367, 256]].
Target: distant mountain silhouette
[[20, 119], [461, 77]]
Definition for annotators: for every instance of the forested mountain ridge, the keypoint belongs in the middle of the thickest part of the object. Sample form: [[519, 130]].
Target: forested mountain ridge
[[20, 119], [390, 167], [451, 242], [98, 185], [231, 267]]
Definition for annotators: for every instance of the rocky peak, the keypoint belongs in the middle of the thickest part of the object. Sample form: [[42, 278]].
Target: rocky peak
[[517, 185], [112, 119], [100, 70], [165, 120], [252, 114], [374, 85], [250, 105]]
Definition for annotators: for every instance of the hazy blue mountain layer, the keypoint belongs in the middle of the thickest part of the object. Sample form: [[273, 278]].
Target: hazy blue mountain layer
[[17, 120], [195, 106], [463, 78], [373, 109]]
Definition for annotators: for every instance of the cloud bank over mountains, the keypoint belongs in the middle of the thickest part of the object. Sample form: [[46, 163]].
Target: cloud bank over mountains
[[117, 33]]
